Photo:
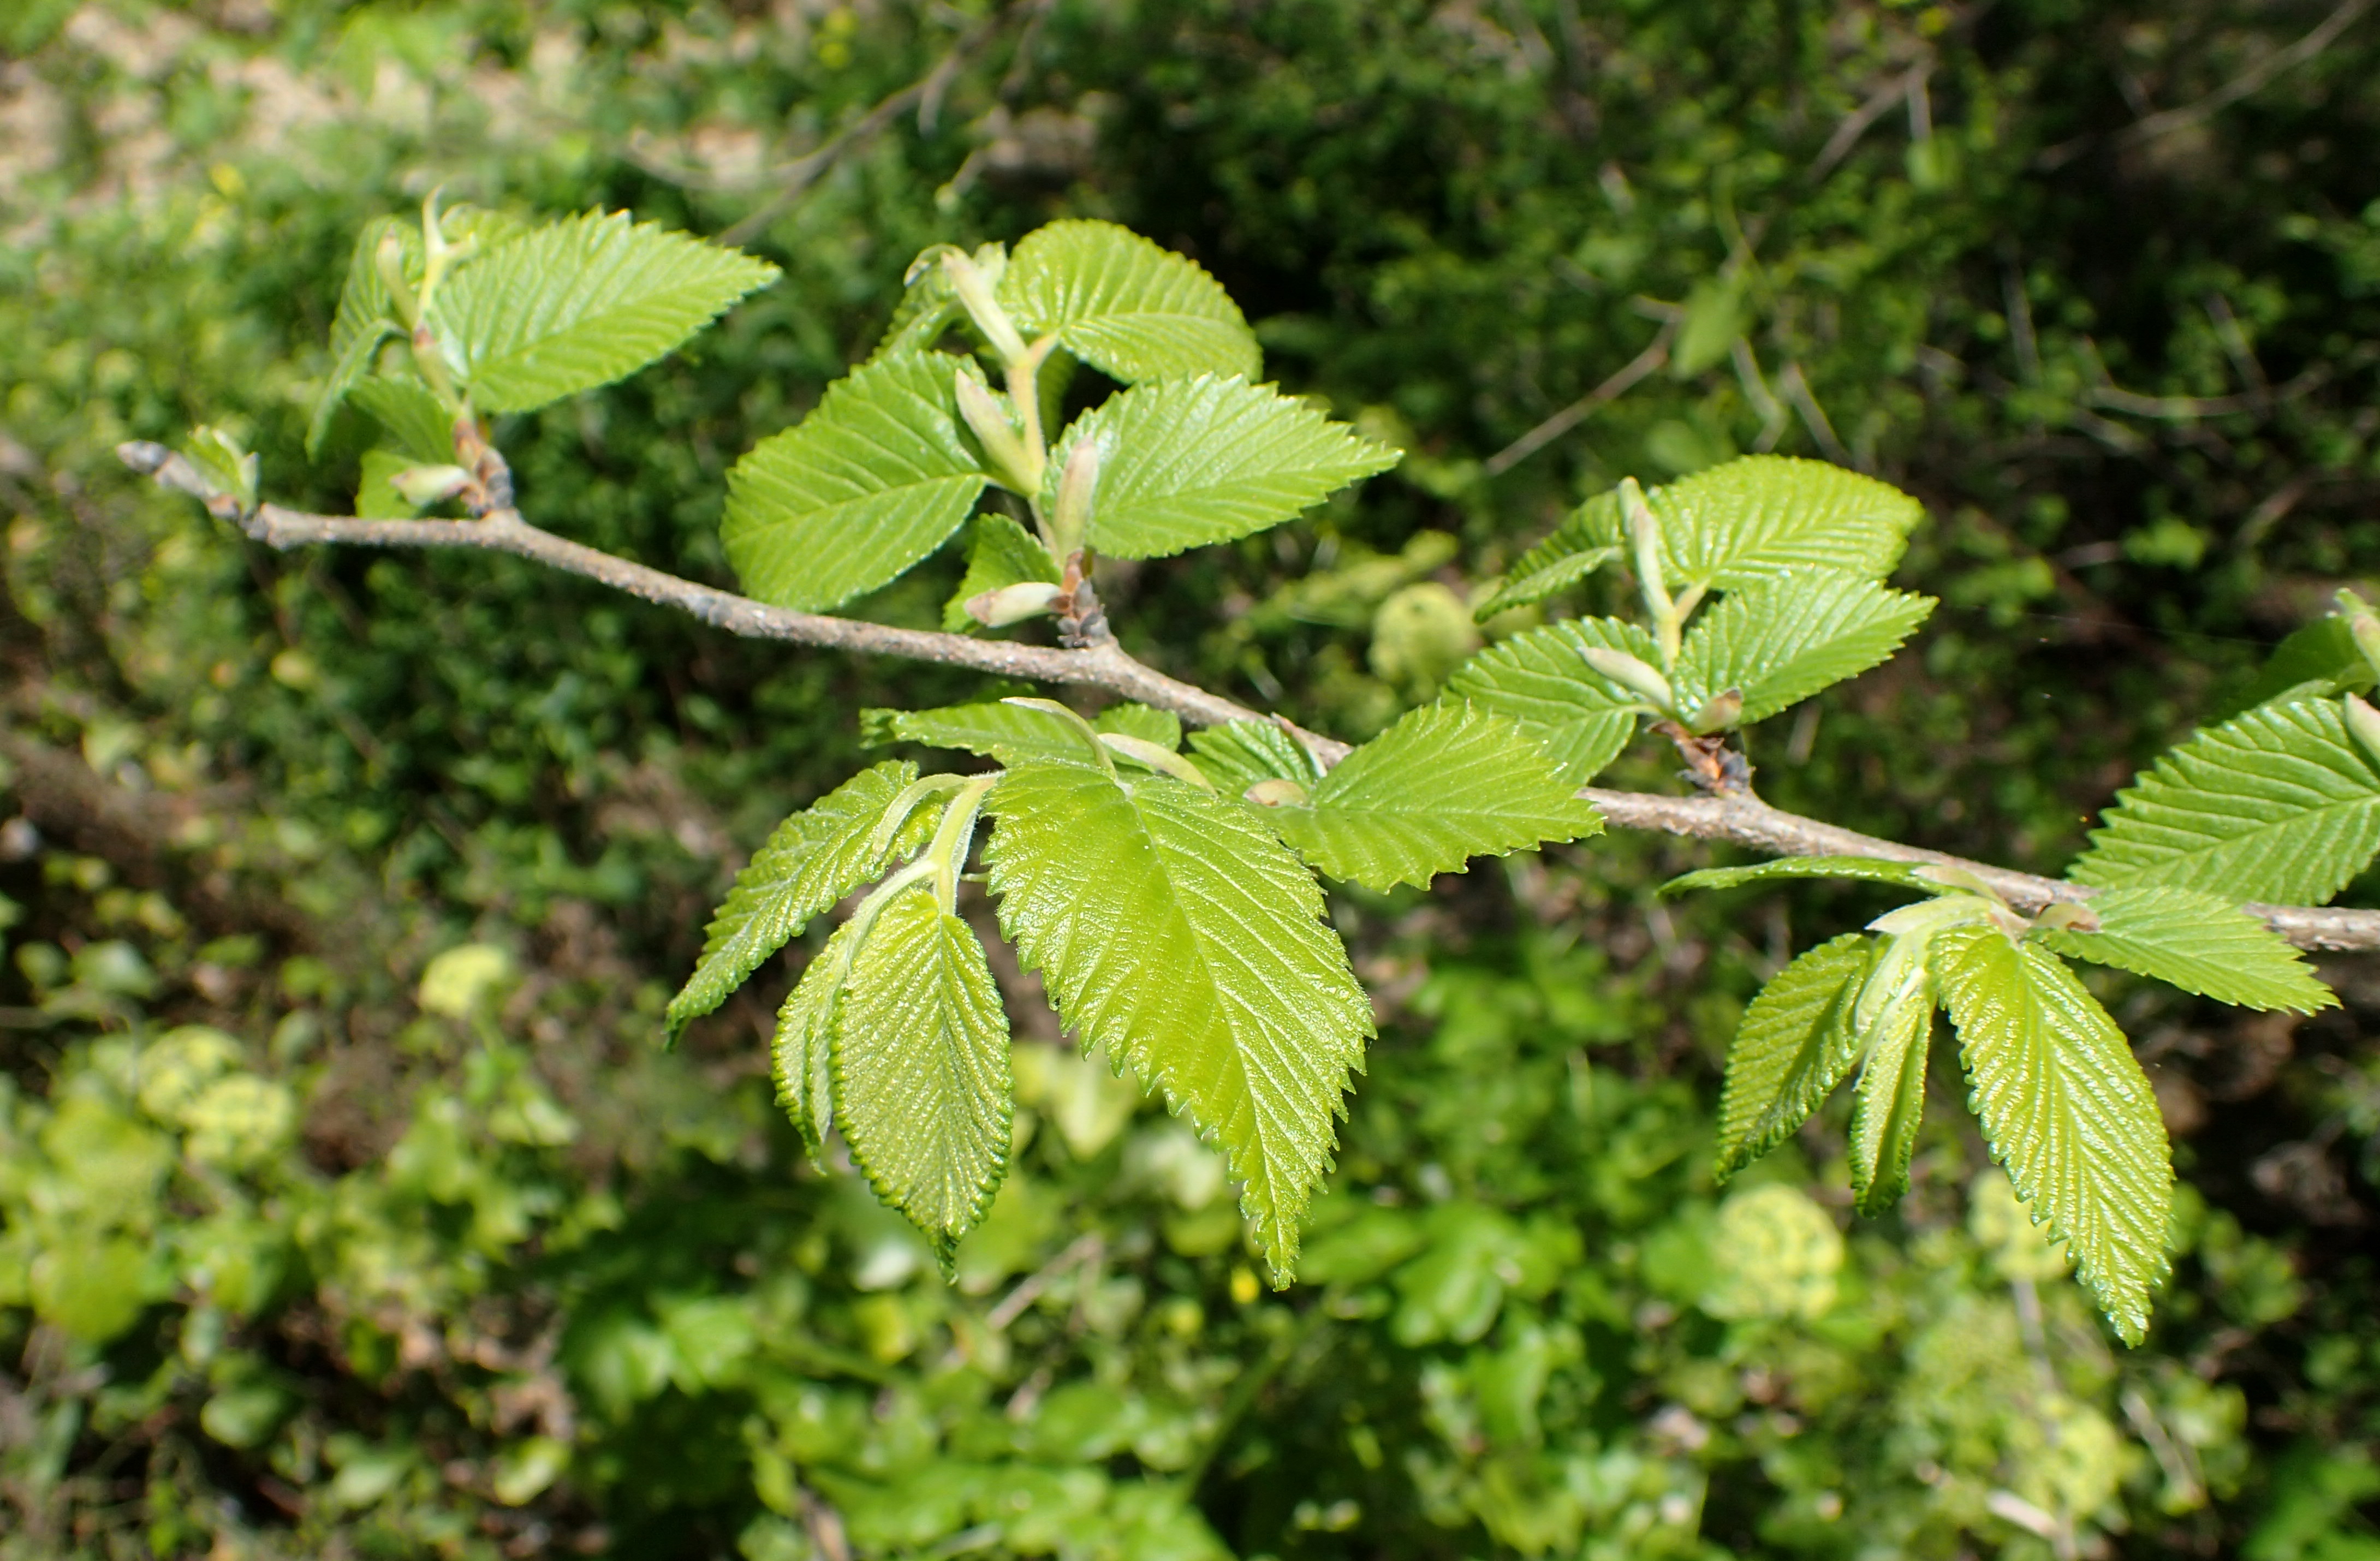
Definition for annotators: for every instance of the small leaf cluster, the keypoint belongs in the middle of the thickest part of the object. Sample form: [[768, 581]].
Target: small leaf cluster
[[1168, 900], [1796, 552], [895, 457], [2061, 1100], [473, 311]]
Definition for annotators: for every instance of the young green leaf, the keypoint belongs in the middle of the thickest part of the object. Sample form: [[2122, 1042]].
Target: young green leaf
[[1171, 929], [1868, 869], [1888, 1105], [1445, 783], [2196, 942], [416, 421], [366, 317], [995, 729], [1000, 553], [1795, 1043], [1761, 515], [1125, 306], [1780, 640], [1184, 463], [2068, 1111], [1238, 753], [801, 1055], [2280, 805], [581, 303], [1541, 679], [875, 478], [815, 858], [1747, 519], [922, 1067], [1150, 725]]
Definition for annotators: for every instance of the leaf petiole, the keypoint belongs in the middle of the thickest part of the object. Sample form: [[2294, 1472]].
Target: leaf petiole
[[896, 813], [955, 837], [1645, 545], [1089, 734]]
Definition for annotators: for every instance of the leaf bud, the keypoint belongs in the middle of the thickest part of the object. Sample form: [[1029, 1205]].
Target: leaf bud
[[1156, 756], [1071, 526], [2365, 627], [1632, 675], [974, 287], [2067, 915], [424, 486], [1275, 792], [227, 466], [1013, 604], [1719, 712], [1645, 543], [989, 420], [2363, 722]]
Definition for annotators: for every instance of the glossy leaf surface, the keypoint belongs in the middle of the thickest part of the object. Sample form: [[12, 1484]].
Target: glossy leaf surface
[[1448, 782], [1794, 1045], [2279, 806], [814, 858], [2067, 1110], [1173, 930], [876, 478], [1124, 305], [1184, 463], [580, 303], [1780, 640], [921, 1078]]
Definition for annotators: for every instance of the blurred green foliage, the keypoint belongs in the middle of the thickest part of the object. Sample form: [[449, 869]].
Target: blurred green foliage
[[347, 1206]]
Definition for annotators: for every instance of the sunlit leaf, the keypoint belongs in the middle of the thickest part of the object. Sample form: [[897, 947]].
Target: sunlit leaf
[[928, 306], [1124, 305], [1161, 727], [1238, 753], [416, 421], [2197, 941], [1865, 870], [1000, 553], [1543, 572], [1445, 783], [1581, 718], [1888, 1105], [2068, 1111], [366, 317], [1007, 732], [1780, 640], [580, 303], [2279, 806], [876, 478], [801, 1055], [1794, 1045], [922, 1067], [815, 858], [1759, 516], [1171, 929], [1184, 463]]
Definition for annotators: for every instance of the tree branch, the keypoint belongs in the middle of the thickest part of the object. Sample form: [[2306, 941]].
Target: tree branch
[[1746, 820], [1578, 411], [1741, 819], [2248, 81]]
